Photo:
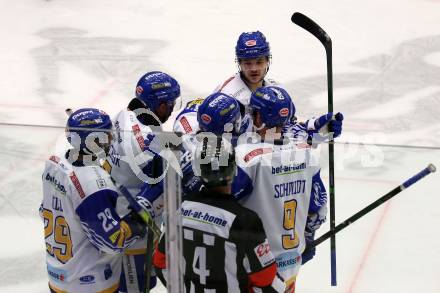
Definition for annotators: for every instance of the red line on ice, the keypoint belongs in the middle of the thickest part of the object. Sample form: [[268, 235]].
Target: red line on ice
[[369, 248]]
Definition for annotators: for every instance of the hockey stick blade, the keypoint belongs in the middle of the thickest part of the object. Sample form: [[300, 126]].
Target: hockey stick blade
[[414, 179], [312, 27]]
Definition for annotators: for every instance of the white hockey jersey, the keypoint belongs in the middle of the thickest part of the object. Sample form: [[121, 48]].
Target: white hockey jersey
[[276, 182], [187, 124], [237, 88], [132, 152], [82, 230]]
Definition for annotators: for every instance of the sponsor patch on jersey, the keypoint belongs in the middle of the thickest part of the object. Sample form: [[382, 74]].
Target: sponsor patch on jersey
[[56, 184], [138, 135], [264, 254], [288, 169], [288, 260], [256, 152], [77, 184], [139, 90], [204, 217], [88, 279], [101, 183], [185, 124], [56, 275], [284, 112], [206, 118], [251, 43]]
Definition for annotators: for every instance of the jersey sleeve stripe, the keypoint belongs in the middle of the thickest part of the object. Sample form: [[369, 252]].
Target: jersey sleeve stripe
[[225, 83]]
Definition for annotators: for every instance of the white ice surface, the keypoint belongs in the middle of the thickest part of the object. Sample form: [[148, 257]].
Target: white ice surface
[[386, 59]]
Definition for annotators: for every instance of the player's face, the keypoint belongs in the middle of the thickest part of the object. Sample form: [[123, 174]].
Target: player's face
[[254, 69], [164, 111]]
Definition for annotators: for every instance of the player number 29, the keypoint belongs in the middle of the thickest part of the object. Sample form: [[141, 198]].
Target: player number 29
[[291, 239], [58, 227]]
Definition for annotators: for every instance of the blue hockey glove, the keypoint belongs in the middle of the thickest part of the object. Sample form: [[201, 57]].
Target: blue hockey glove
[[334, 124], [315, 220], [151, 198], [310, 250]]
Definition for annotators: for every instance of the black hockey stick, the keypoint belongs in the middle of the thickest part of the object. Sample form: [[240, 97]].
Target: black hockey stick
[[428, 170], [313, 28], [157, 169]]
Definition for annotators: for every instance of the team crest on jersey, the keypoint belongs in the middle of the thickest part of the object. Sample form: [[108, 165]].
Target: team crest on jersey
[[284, 112], [101, 183], [206, 118], [264, 254], [251, 43]]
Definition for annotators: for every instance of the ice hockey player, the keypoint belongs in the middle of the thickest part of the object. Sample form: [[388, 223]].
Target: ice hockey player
[[84, 235], [224, 244], [277, 182], [253, 57], [134, 160], [217, 114]]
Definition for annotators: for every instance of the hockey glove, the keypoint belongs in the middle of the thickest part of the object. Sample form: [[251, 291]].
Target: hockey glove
[[150, 198], [315, 220], [310, 250], [320, 127], [136, 224]]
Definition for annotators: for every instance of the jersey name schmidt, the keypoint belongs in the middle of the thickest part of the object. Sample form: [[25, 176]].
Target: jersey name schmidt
[[289, 188]]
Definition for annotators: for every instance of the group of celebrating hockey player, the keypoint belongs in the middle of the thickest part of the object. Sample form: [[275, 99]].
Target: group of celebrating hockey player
[[252, 196]]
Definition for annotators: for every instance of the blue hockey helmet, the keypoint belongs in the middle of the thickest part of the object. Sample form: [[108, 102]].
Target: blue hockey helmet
[[252, 45], [274, 105], [219, 113], [156, 87], [85, 125]]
